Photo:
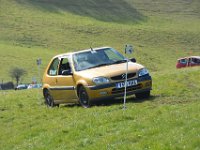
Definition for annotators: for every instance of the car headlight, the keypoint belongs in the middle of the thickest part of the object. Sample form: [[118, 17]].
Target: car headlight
[[143, 72], [100, 80]]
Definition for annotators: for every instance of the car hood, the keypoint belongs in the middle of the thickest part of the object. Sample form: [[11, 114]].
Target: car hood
[[110, 70]]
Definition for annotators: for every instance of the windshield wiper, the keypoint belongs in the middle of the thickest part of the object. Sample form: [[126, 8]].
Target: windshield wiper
[[120, 61]]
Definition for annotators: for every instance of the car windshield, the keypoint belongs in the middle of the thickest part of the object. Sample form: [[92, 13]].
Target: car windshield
[[96, 58], [183, 61]]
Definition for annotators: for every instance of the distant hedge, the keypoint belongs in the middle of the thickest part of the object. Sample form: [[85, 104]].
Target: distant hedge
[[7, 86]]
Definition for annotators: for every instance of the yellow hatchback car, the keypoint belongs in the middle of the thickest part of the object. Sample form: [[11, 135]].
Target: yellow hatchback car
[[93, 74]]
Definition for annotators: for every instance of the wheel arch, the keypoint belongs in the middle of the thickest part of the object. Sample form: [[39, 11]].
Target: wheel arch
[[45, 90], [79, 84], [78, 88]]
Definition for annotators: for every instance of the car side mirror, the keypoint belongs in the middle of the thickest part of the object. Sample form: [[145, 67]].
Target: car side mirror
[[133, 60], [67, 72]]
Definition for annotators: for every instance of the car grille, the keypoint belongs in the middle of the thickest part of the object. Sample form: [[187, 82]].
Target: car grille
[[128, 89], [123, 76]]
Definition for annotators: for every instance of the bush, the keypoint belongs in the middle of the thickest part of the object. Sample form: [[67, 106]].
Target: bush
[[7, 86]]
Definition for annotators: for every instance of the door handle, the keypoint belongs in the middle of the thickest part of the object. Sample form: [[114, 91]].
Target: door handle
[[56, 81]]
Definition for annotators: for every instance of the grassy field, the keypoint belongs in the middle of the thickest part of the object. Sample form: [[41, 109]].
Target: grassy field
[[168, 120], [161, 31]]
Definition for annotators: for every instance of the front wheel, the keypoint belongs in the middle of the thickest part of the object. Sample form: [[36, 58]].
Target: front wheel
[[83, 97], [143, 95]]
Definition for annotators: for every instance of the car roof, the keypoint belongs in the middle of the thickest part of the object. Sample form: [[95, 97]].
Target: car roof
[[198, 57], [80, 51]]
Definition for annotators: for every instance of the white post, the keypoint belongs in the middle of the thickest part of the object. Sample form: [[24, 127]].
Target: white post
[[39, 62], [128, 50], [39, 78], [125, 85]]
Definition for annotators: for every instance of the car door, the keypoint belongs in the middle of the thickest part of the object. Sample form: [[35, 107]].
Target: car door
[[65, 84], [51, 77]]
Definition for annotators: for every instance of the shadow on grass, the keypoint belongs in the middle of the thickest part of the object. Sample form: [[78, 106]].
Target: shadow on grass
[[151, 98], [120, 101], [104, 10]]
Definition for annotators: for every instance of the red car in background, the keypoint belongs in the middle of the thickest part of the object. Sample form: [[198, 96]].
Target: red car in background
[[188, 62]]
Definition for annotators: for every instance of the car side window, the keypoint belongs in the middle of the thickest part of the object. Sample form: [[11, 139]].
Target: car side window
[[53, 69], [198, 61], [64, 66], [193, 60]]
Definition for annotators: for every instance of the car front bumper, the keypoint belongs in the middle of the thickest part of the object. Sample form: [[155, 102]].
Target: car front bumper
[[106, 91]]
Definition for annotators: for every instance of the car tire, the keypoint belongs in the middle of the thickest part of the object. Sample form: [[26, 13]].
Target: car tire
[[143, 95], [83, 97], [49, 101]]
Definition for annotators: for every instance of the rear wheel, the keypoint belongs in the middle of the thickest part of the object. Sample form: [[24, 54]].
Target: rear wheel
[[143, 95], [83, 97], [49, 101]]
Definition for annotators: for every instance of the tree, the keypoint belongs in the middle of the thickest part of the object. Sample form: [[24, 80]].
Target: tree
[[17, 73]]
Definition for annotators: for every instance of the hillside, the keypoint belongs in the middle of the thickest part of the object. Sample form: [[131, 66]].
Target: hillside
[[160, 30]]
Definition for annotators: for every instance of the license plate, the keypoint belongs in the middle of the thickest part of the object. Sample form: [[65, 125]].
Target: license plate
[[129, 83]]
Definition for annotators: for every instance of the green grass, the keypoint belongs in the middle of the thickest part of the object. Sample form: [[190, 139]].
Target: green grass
[[168, 120], [161, 32]]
